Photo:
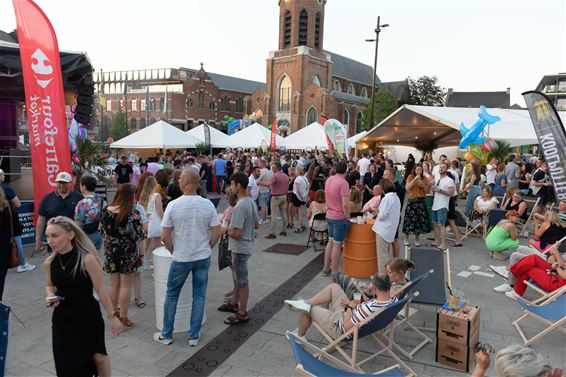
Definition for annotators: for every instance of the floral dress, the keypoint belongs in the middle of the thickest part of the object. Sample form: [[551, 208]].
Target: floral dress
[[121, 254]]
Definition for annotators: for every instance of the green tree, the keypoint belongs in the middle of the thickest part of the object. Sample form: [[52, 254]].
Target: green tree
[[501, 151], [384, 103], [119, 127], [426, 91], [90, 160]]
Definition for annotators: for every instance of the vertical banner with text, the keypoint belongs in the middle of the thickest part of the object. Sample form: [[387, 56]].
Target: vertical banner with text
[[45, 102], [551, 137], [272, 144]]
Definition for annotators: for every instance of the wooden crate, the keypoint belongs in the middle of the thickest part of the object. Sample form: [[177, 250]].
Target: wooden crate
[[456, 355], [458, 327]]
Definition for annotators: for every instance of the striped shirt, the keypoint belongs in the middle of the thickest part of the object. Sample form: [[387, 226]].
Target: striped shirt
[[364, 310]]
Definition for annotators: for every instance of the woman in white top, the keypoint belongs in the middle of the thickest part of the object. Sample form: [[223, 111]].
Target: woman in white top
[[299, 196], [385, 227], [485, 202], [152, 204]]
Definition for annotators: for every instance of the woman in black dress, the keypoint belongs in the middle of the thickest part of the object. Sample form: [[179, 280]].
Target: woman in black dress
[[371, 178], [71, 272]]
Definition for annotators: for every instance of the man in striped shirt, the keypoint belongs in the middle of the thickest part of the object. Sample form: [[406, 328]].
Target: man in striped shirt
[[335, 313]]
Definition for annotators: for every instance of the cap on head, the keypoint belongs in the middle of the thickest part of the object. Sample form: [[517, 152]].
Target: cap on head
[[63, 177]]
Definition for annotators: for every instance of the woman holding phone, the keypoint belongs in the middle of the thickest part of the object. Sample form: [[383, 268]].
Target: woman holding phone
[[71, 272]]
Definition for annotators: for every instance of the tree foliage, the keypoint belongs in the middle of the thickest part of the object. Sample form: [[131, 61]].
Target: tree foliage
[[501, 151], [119, 126], [90, 160], [426, 91], [384, 103]]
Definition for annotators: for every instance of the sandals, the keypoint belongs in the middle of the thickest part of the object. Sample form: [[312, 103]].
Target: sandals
[[300, 230], [290, 226], [227, 307], [127, 323], [139, 303], [460, 244], [237, 318], [283, 233]]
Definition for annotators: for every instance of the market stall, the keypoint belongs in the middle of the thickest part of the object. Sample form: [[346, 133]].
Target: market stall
[[159, 135], [309, 137], [215, 135]]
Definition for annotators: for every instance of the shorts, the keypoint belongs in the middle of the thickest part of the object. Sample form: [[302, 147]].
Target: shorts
[[337, 230], [240, 263], [439, 216], [295, 201], [452, 208], [263, 199], [328, 318]]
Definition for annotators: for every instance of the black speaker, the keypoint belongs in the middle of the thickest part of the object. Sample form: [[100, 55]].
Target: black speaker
[[83, 111]]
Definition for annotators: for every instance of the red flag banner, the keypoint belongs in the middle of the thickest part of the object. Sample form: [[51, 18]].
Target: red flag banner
[[273, 145], [45, 102], [329, 144]]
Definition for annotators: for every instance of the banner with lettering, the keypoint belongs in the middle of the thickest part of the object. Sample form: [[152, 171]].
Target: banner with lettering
[[336, 132], [45, 102], [329, 145], [272, 144], [551, 137]]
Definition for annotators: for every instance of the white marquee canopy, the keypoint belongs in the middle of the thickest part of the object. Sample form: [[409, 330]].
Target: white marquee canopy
[[157, 135], [250, 137], [215, 135], [311, 136]]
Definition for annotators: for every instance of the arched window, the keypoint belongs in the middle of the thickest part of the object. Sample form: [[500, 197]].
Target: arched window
[[317, 31], [287, 33], [303, 27], [225, 104], [212, 106], [351, 90], [133, 123], [189, 102], [162, 104], [359, 122], [364, 92], [285, 94], [312, 115], [239, 105], [336, 86], [346, 118], [142, 123], [316, 80], [152, 104], [201, 100]]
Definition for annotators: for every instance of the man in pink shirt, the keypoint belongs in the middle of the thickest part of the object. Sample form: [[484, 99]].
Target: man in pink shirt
[[279, 186], [337, 193]]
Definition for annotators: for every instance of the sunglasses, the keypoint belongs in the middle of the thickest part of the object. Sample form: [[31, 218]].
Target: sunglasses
[[55, 220]]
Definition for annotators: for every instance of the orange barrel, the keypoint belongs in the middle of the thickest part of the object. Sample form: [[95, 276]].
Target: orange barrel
[[360, 256]]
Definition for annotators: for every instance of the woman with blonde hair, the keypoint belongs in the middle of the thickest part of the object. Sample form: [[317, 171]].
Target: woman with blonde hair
[[355, 199], [549, 229], [151, 202], [71, 272]]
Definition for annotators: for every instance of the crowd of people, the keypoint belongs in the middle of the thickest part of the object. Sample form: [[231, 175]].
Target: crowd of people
[[163, 199]]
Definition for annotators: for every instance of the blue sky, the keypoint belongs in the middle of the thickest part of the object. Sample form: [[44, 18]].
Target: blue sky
[[470, 46]]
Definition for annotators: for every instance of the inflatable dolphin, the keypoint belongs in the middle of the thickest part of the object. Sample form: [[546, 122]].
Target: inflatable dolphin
[[472, 135]]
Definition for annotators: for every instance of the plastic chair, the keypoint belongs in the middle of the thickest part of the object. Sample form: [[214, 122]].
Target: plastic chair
[[310, 365], [373, 326], [552, 314], [313, 232]]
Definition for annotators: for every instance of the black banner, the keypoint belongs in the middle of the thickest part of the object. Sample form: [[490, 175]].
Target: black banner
[[551, 137], [206, 136]]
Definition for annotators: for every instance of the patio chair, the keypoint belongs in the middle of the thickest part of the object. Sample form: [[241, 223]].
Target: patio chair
[[532, 203], [552, 314], [323, 234], [544, 296], [493, 218], [404, 320], [476, 224], [311, 365], [374, 327]]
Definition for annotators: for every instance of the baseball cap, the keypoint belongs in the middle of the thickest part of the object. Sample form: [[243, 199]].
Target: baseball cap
[[63, 177]]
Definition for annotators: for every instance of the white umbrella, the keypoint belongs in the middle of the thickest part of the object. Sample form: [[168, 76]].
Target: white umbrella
[[158, 135]]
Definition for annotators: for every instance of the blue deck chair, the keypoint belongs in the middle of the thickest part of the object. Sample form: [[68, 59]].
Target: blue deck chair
[[553, 314], [493, 218], [372, 327], [404, 320], [310, 365]]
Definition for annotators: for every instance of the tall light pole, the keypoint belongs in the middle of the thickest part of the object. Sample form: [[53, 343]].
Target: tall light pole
[[376, 40]]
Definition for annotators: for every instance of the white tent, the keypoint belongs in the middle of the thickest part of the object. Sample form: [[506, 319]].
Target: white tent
[[215, 135], [250, 137], [409, 124], [158, 135], [310, 136], [354, 139]]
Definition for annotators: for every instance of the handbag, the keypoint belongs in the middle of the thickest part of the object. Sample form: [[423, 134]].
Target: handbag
[[224, 254], [14, 255]]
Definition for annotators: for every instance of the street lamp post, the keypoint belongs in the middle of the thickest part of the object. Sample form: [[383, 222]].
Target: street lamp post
[[376, 40]]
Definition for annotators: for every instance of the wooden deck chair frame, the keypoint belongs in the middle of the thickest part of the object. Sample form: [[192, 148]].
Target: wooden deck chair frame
[[503, 199], [321, 354], [531, 213], [545, 296], [384, 342], [552, 325], [313, 233], [478, 229], [499, 213]]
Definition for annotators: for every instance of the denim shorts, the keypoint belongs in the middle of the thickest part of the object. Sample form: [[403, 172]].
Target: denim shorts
[[439, 216], [240, 263], [337, 230], [263, 199]]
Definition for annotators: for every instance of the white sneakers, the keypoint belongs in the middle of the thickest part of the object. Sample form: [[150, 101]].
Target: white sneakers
[[298, 305], [25, 267], [159, 339], [512, 294], [296, 334], [194, 342], [263, 222], [500, 270], [503, 288]]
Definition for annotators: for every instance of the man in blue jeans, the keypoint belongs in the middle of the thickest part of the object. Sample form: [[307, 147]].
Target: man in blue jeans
[[186, 223]]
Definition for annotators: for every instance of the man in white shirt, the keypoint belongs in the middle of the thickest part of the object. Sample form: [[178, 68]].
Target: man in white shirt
[[443, 189], [435, 169], [491, 172], [186, 224], [385, 226], [253, 189], [363, 165]]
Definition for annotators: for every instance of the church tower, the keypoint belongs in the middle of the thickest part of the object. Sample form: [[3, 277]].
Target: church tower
[[299, 73]]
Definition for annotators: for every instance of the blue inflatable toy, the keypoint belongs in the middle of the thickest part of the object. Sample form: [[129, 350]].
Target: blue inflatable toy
[[472, 135]]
